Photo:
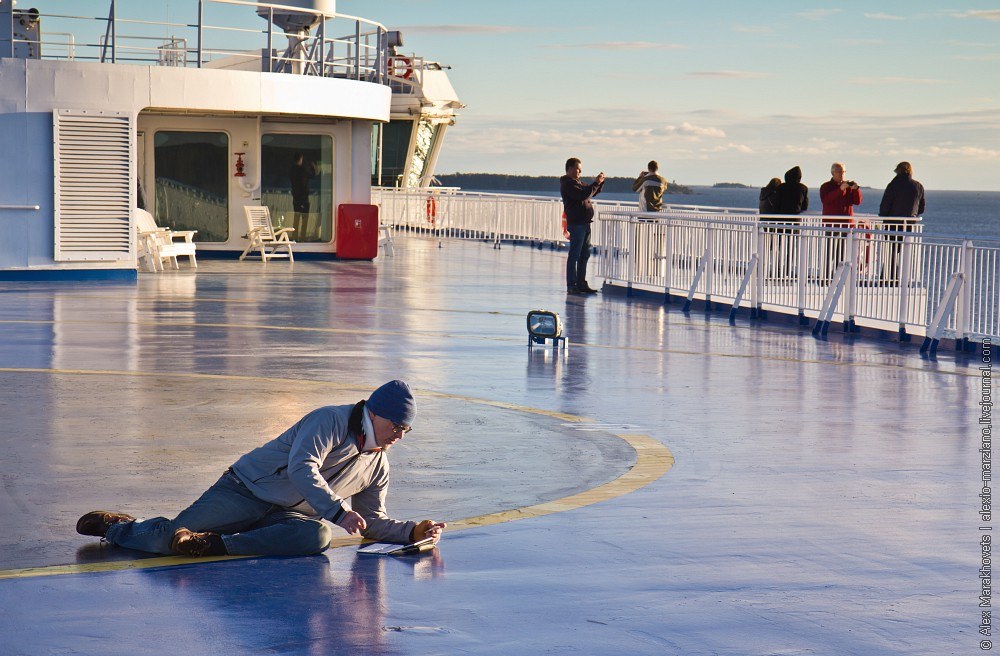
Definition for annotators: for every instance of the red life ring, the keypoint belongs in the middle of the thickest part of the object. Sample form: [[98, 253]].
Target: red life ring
[[431, 209], [400, 64], [864, 246], [565, 227]]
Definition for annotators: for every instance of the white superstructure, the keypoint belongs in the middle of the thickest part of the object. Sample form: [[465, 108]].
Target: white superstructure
[[192, 119]]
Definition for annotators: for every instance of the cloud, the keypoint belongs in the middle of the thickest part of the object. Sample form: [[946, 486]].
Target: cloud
[[733, 75], [817, 14], [620, 45], [884, 16], [550, 133], [991, 57], [461, 29], [753, 29], [952, 149], [971, 152], [729, 148], [896, 80], [983, 14], [813, 146]]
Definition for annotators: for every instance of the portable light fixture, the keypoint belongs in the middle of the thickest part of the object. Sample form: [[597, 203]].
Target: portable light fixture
[[543, 325]]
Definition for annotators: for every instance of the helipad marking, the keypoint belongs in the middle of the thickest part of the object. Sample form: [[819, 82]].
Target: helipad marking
[[653, 460]]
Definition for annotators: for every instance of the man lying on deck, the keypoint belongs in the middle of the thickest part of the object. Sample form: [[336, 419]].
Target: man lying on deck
[[271, 500]]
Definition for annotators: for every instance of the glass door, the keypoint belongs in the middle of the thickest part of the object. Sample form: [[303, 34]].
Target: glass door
[[296, 183]]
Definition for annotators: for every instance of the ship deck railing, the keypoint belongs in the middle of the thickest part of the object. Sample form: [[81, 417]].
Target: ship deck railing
[[881, 272], [217, 33]]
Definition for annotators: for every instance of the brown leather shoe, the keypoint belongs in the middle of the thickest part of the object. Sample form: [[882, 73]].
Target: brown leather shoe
[[197, 545], [97, 522]]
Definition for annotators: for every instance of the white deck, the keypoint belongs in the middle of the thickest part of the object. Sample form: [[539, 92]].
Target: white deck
[[823, 498]]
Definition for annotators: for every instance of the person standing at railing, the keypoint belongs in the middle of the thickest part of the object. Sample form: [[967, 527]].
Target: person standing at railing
[[839, 197], [769, 197], [579, 216], [792, 198], [902, 201], [650, 186]]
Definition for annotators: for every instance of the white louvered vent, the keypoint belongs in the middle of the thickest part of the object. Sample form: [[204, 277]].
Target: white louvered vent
[[93, 181]]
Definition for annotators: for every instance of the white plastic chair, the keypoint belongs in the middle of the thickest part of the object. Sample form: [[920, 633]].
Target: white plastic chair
[[263, 237], [157, 244]]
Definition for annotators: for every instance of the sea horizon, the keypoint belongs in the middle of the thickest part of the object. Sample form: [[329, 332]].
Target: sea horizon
[[950, 213]]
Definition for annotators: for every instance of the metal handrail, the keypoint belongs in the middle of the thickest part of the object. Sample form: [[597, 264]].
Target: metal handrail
[[363, 42], [893, 279]]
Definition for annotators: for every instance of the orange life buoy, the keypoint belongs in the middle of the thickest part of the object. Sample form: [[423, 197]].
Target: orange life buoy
[[565, 227], [432, 209], [400, 67]]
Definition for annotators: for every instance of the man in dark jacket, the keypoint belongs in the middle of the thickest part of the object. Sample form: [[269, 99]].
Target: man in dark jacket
[[793, 196], [902, 202], [579, 215]]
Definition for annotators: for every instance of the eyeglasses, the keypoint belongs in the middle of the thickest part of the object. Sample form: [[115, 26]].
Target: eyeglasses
[[401, 430]]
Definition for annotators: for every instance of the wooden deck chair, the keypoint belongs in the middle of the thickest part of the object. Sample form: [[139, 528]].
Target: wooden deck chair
[[158, 244], [263, 237], [385, 239]]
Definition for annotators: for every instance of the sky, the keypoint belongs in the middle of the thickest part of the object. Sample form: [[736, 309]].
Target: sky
[[715, 91]]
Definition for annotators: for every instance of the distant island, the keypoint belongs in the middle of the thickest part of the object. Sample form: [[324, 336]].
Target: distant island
[[502, 182], [731, 185]]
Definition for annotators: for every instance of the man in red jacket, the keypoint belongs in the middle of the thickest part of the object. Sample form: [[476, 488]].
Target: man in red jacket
[[839, 197]]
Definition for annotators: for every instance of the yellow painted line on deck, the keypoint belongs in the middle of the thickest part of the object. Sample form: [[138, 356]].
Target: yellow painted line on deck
[[653, 460]]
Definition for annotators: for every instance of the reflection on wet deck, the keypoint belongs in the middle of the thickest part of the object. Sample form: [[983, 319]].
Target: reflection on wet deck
[[822, 499]]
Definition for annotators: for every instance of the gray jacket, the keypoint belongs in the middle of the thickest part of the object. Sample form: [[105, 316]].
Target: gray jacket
[[316, 464]]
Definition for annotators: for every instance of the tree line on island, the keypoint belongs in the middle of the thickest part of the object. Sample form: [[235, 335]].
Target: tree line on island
[[502, 182]]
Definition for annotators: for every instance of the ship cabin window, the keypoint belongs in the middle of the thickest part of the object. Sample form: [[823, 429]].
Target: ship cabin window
[[395, 146], [192, 183], [296, 183]]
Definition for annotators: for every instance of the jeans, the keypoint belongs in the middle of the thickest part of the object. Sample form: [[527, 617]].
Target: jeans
[[248, 525], [579, 254]]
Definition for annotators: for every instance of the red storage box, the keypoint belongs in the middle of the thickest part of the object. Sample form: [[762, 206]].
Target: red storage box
[[357, 232]]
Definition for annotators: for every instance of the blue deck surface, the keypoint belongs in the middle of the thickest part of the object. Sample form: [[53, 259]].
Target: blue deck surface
[[822, 499]]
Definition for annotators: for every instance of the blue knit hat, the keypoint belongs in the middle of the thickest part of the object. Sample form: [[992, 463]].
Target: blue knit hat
[[394, 401]]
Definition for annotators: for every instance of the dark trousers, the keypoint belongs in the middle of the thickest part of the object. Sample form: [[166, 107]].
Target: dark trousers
[[890, 270], [579, 254], [836, 248]]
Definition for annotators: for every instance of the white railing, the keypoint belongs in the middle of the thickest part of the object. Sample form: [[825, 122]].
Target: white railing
[[449, 213], [895, 278]]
